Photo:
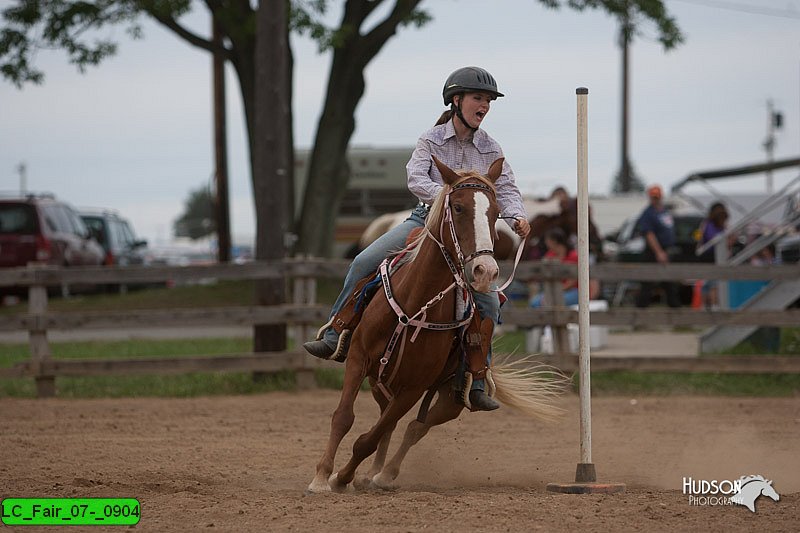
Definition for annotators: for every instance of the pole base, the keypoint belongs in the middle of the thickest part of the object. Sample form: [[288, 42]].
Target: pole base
[[586, 483], [585, 473], [586, 488]]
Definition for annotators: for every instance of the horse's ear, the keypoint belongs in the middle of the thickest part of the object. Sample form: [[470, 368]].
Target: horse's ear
[[495, 169], [448, 175]]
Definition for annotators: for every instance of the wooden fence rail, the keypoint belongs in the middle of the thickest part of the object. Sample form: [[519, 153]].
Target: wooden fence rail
[[304, 314]]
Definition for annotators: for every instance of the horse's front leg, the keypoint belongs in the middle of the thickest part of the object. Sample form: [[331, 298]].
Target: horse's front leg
[[367, 443], [364, 481], [444, 410], [341, 422]]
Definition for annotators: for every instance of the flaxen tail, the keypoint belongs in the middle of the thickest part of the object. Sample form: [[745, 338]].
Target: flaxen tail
[[529, 386]]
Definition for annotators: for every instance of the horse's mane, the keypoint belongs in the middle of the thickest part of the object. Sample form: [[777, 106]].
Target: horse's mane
[[436, 212]]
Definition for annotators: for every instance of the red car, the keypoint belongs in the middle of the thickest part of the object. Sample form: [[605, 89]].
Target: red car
[[43, 229]]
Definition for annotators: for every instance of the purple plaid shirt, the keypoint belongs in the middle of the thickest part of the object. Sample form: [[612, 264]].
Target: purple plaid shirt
[[478, 153]]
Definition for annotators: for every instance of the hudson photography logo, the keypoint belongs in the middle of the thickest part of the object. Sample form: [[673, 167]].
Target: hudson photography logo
[[743, 491]]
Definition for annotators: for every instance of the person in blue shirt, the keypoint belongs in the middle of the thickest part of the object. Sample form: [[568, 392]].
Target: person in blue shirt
[[658, 229]]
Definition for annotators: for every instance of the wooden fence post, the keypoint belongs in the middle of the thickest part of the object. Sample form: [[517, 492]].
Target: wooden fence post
[[37, 335], [304, 293], [554, 296]]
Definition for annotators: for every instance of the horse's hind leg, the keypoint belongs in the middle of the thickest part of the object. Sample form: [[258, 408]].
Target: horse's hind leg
[[367, 443], [365, 481], [341, 422], [444, 410]]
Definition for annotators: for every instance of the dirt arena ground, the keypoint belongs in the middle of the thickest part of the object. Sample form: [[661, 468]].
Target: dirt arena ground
[[242, 464]]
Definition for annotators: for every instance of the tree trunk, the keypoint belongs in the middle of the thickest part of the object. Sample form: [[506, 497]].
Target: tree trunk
[[328, 172], [222, 204], [271, 164]]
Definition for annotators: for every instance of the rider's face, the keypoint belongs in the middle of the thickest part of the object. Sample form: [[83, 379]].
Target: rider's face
[[475, 106]]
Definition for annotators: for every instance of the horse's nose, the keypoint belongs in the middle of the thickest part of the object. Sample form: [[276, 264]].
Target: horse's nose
[[484, 272]]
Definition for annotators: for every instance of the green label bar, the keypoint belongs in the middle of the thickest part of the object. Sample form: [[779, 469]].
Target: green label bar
[[70, 511]]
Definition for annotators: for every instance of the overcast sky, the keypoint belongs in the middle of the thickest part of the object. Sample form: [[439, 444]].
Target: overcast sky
[[135, 134]]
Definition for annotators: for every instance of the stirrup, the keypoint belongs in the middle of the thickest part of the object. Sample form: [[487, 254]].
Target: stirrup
[[340, 353], [465, 391], [322, 330], [491, 388]]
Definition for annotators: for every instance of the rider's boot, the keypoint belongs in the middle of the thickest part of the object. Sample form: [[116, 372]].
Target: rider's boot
[[330, 345], [477, 373], [481, 401], [333, 339]]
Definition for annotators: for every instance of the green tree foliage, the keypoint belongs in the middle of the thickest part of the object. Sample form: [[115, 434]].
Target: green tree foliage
[[197, 220]]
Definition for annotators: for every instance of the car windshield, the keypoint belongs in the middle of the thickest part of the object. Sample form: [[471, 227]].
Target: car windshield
[[17, 219]]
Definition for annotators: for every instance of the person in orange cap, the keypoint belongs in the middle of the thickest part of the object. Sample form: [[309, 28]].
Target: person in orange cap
[[658, 229]]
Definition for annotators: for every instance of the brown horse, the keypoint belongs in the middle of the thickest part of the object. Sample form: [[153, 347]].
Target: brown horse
[[565, 218], [450, 258]]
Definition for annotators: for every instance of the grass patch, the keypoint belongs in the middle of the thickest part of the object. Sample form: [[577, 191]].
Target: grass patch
[[673, 383], [195, 384]]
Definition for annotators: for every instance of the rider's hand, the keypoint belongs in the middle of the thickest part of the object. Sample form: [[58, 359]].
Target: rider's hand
[[522, 228]]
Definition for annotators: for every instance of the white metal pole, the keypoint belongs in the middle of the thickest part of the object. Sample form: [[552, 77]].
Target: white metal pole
[[587, 470]]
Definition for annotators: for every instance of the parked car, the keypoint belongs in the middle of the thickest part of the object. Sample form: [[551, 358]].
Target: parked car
[[43, 229], [115, 234], [627, 246]]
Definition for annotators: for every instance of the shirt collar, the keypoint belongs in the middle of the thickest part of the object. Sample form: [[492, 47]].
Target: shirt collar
[[450, 131]]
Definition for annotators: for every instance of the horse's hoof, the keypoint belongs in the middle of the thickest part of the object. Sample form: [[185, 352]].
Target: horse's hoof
[[335, 484], [362, 483], [383, 482], [317, 486]]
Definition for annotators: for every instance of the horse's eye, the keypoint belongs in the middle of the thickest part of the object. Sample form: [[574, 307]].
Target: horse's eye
[[457, 208]]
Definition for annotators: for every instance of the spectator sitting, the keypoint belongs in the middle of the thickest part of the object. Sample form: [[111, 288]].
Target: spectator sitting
[[559, 249]]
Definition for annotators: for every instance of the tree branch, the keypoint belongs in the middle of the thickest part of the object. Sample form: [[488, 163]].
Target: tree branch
[[195, 40], [377, 37]]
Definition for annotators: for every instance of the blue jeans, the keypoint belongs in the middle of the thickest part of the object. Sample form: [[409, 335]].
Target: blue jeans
[[368, 261]]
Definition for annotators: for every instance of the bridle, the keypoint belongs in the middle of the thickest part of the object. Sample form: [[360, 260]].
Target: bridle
[[459, 271]]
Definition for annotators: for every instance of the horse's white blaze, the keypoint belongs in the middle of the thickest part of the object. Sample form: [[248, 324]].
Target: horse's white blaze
[[484, 267]]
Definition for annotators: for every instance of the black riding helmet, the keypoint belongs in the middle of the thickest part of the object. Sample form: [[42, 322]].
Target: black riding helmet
[[469, 79]]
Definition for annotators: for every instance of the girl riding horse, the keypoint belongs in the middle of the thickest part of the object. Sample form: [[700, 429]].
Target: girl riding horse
[[459, 143], [428, 295]]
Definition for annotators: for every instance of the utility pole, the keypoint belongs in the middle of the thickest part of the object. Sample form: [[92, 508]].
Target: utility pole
[[23, 179], [221, 204], [774, 122], [625, 180]]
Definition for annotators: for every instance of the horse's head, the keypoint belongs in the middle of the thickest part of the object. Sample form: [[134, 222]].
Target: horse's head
[[470, 208], [769, 491]]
